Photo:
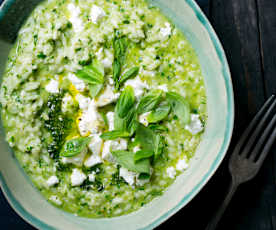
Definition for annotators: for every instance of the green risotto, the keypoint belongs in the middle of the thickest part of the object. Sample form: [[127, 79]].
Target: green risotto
[[103, 104]]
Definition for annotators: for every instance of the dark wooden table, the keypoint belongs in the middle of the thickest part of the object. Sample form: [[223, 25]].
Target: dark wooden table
[[247, 30]]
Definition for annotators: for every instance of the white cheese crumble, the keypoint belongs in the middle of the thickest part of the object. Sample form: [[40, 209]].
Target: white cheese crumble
[[143, 118], [83, 101], [52, 181], [93, 160], [166, 31], [74, 17], [52, 86], [67, 102], [96, 14], [110, 118], [78, 83], [119, 144], [95, 145], [77, 177], [195, 125], [141, 182], [136, 149], [128, 176], [138, 86], [107, 63], [171, 172], [90, 120], [76, 160], [92, 177], [163, 87], [182, 164], [107, 96], [55, 199]]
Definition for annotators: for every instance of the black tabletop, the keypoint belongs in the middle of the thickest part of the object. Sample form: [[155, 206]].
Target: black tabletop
[[247, 30]]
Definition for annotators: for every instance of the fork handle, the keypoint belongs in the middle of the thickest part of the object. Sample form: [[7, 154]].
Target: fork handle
[[216, 218]]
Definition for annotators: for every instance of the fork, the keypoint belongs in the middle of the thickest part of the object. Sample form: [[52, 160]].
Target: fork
[[249, 153]]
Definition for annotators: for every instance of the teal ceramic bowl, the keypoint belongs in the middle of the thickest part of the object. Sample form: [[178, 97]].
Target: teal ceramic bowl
[[29, 203]]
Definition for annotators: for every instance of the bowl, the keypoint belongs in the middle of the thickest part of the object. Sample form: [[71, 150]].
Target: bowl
[[31, 205]]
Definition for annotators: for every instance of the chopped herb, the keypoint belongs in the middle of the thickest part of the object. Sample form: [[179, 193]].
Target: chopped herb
[[41, 55]]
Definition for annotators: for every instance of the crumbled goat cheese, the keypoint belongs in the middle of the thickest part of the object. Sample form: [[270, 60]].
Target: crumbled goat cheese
[[83, 101], [107, 63], [77, 177], [78, 83], [110, 118], [166, 31], [182, 164], [93, 160], [96, 143], [67, 102], [119, 144], [55, 199], [90, 120], [74, 17], [52, 181], [137, 85], [52, 86], [96, 14], [76, 160], [92, 177], [171, 172], [143, 118], [128, 176], [107, 97], [195, 125], [163, 87], [136, 149]]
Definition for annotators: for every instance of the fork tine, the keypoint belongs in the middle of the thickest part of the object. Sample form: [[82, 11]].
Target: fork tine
[[258, 130], [261, 141], [252, 125], [267, 148]]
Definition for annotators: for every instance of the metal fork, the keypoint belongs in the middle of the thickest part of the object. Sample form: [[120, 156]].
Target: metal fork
[[249, 153]]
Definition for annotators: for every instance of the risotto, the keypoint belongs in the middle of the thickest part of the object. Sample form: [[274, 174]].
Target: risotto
[[103, 104]]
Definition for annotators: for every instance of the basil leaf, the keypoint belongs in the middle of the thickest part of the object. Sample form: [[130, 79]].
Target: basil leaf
[[149, 101], [116, 72], [125, 102], [142, 155], [159, 113], [127, 123], [126, 159], [143, 176], [159, 146], [129, 74], [92, 74], [114, 134], [158, 128], [180, 107], [149, 141], [120, 47], [146, 137], [94, 89], [74, 146]]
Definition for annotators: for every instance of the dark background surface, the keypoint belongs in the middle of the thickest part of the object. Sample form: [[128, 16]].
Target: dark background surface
[[247, 30]]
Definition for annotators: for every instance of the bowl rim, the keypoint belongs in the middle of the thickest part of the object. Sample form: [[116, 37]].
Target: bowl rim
[[29, 218]]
